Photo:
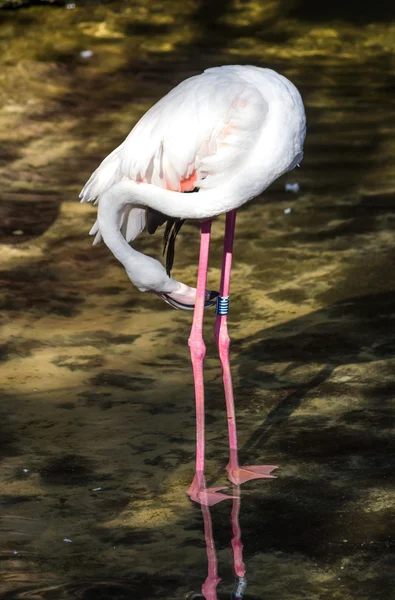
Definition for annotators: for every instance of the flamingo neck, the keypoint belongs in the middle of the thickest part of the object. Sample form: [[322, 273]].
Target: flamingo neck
[[207, 204], [146, 273]]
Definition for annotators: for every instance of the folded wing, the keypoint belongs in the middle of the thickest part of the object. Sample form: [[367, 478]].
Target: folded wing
[[197, 136]]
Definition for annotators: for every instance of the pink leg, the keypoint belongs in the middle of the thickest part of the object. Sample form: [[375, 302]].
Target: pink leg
[[237, 475], [197, 345], [198, 491]]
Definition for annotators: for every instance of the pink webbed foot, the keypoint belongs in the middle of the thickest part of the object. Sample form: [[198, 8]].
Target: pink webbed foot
[[198, 492], [239, 475]]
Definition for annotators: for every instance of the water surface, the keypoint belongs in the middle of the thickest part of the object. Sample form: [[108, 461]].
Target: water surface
[[97, 411]]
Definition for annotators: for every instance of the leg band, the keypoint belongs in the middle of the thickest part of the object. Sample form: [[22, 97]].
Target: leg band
[[222, 305]]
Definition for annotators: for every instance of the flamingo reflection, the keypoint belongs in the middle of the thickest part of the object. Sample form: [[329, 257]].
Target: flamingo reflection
[[209, 587]]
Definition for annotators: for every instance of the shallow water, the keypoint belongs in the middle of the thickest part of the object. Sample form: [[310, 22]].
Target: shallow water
[[97, 411]]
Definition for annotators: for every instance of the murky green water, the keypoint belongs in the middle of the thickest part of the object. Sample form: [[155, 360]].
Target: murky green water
[[97, 411]]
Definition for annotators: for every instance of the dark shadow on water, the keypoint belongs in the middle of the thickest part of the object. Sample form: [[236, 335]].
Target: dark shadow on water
[[24, 216], [90, 590], [351, 332], [37, 287], [353, 11]]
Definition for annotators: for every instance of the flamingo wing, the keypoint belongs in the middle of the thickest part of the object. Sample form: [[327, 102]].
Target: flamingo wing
[[197, 136]]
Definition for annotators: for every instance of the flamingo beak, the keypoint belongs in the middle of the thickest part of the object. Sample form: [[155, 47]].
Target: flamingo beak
[[210, 301]]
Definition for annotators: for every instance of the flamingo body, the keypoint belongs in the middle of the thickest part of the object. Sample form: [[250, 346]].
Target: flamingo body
[[229, 132]]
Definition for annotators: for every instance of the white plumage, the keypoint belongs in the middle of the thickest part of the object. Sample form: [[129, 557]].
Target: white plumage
[[230, 132]]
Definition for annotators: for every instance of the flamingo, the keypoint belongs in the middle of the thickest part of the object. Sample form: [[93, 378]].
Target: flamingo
[[227, 133]]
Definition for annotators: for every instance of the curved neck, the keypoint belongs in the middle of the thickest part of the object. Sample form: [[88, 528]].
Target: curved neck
[[109, 215], [207, 204], [144, 272]]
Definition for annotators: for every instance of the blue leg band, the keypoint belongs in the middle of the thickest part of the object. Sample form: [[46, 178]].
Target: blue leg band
[[222, 305]]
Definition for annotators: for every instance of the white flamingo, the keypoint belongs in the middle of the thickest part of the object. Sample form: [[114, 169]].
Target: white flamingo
[[227, 133]]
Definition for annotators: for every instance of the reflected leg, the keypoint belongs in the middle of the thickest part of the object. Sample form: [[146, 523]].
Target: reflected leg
[[237, 546], [209, 587]]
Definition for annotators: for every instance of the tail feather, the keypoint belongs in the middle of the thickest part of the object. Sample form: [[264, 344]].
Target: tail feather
[[134, 223], [97, 239], [107, 173], [154, 220], [95, 228], [131, 223], [173, 226]]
